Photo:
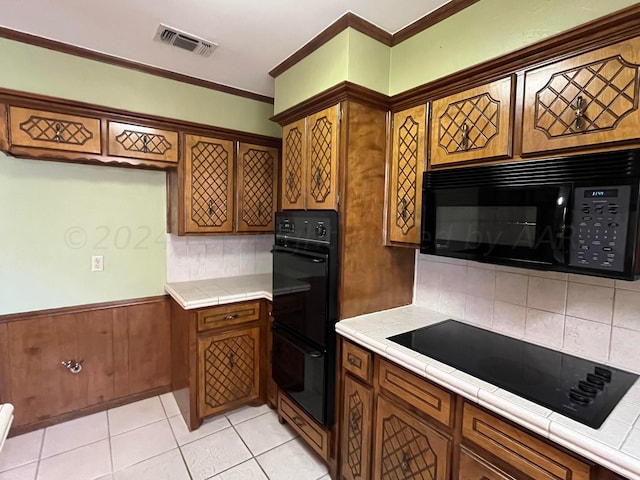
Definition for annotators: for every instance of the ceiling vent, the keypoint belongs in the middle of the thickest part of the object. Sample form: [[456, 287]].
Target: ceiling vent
[[185, 41]]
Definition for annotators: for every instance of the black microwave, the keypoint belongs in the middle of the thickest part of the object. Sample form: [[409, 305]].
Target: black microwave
[[573, 214]]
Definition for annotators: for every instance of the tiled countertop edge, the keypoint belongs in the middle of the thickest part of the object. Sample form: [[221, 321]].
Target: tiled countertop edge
[[484, 394], [219, 300]]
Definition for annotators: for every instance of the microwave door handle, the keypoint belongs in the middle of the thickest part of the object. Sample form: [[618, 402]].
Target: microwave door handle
[[560, 224]]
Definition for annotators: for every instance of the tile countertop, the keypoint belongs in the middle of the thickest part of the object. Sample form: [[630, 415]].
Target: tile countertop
[[218, 291], [616, 445]]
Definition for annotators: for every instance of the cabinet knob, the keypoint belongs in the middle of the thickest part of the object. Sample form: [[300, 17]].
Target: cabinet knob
[[318, 176], [404, 465], [210, 210], [232, 362], [145, 143], [579, 112], [73, 366], [58, 136], [232, 316], [298, 421], [464, 131], [355, 424]]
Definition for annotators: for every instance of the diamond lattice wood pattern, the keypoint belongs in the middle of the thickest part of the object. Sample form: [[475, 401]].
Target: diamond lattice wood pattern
[[229, 370], [406, 452], [210, 203], [143, 142], [596, 96], [321, 137], [354, 448], [293, 165], [258, 166], [54, 130], [469, 124], [408, 146]]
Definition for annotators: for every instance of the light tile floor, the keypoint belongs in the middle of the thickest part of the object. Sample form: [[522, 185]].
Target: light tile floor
[[148, 440]]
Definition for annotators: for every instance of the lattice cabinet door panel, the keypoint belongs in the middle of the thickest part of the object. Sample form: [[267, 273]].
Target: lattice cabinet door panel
[[322, 149], [54, 131], [257, 181], [474, 468], [208, 181], [228, 370], [407, 166], [135, 141], [294, 141], [356, 430], [406, 448], [472, 125], [590, 99]]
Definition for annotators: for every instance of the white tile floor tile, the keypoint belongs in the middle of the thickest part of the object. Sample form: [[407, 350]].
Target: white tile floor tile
[[75, 433], [135, 415], [26, 472], [20, 450], [248, 470], [245, 413], [169, 404], [143, 441], [141, 444], [215, 454], [292, 461], [264, 433], [209, 426], [168, 466], [84, 463]]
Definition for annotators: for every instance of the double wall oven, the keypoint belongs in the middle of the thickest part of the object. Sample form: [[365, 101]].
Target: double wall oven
[[305, 277]]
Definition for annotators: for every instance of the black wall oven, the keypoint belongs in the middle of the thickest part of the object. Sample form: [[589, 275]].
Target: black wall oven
[[576, 214], [305, 276]]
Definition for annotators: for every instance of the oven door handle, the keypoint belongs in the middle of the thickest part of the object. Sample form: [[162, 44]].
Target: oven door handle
[[560, 224], [312, 256], [312, 352]]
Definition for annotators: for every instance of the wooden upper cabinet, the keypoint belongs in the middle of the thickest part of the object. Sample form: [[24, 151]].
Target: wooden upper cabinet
[[472, 125], [589, 99], [53, 131], [310, 161], [293, 164], [257, 181], [407, 165], [322, 174], [208, 184], [135, 141]]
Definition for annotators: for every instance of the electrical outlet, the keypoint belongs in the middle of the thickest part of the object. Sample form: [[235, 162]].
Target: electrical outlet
[[97, 263]]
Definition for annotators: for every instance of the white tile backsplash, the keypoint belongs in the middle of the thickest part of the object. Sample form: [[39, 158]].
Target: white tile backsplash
[[198, 258], [587, 316]]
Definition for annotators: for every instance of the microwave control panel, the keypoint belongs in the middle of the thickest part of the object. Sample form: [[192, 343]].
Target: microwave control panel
[[598, 232]]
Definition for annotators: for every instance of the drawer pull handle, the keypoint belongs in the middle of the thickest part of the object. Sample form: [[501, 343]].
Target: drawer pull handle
[[355, 424], [233, 316], [210, 209], [298, 421], [579, 112], [318, 177], [231, 360], [404, 466], [464, 144], [354, 361], [145, 143], [58, 136], [73, 366]]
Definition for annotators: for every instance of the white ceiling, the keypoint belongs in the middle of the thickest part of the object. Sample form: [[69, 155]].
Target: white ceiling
[[254, 35]]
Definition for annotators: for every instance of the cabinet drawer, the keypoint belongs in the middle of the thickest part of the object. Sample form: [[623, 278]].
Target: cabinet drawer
[[228, 315], [56, 131], [531, 456], [357, 361], [135, 141], [314, 434], [432, 400], [473, 468]]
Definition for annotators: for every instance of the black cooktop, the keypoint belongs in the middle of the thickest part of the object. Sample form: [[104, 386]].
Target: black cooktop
[[577, 388]]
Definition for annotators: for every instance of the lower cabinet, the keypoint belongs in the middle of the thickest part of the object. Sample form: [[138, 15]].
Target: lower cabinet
[[218, 358], [397, 425], [357, 407], [406, 447], [228, 370]]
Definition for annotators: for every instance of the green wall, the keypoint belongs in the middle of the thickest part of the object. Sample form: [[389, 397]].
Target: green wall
[[485, 30], [55, 216]]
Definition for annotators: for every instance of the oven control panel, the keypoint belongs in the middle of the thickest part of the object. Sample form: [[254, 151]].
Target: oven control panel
[[297, 226], [599, 227]]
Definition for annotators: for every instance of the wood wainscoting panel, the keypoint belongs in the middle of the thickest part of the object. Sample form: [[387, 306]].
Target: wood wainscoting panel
[[5, 392]]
